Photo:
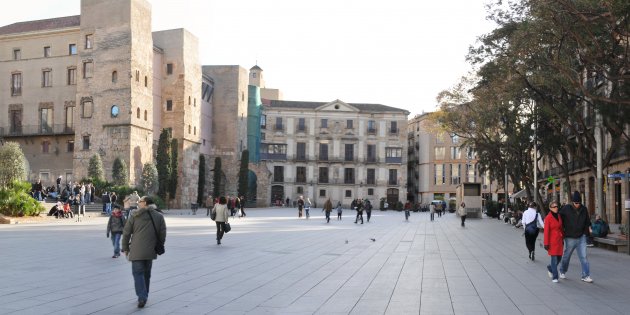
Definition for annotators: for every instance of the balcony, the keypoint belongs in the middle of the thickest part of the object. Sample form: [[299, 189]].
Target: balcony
[[300, 157], [371, 131], [393, 131], [371, 159], [393, 160], [273, 156], [392, 182], [322, 158], [37, 130], [300, 128], [278, 127], [16, 91]]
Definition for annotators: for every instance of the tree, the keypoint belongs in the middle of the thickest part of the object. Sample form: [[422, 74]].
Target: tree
[[201, 184], [216, 183], [95, 168], [119, 172], [242, 175], [13, 165], [163, 163], [172, 185], [149, 178]]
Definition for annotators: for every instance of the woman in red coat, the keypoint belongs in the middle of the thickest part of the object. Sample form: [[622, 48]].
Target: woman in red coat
[[553, 240]]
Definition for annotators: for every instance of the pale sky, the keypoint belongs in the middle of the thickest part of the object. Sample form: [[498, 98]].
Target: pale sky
[[399, 53]]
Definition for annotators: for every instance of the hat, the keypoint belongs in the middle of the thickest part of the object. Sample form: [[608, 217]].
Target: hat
[[576, 197]]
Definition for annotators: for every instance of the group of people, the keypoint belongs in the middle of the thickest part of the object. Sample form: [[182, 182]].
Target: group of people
[[566, 229], [235, 205]]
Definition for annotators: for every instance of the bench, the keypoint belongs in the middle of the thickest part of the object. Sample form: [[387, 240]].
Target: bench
[[619, 245]]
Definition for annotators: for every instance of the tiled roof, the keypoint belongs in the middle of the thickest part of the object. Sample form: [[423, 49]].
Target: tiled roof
[[313, 105], [256, 67], [41, 25]]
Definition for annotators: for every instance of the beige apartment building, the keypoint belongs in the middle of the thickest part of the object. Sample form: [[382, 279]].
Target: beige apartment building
[[438, 164], [101, 83], [335, 150]]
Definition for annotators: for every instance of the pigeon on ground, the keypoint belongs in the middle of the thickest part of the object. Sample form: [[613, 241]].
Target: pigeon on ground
[[373, 239]]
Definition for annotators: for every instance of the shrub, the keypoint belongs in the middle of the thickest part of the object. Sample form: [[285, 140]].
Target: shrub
[[13, 165], [493, 208], [119, 172], [159, 203], [95, 168], [15, 200], [149, 178]]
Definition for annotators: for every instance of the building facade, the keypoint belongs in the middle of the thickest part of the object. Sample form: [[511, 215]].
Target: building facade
[[335, 150]]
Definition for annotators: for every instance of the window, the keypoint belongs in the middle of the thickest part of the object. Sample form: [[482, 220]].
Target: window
[[370, 191], [278, 173], [300, 190], [323, 151], [300, 154], [471, 173], [16, 84], [137, 75], [72, 76], [72, 49], [47, 51], [88, 69], [87, 109], [323, 175], [393, 127], [17, 54], [189, 129], [455, 139], [88, 41], [348, 176], [371, 153], [301, 124], [70, 146], [45, 146], [15, 115], [46, 78], [393, 155], [439, 153], [455, 153], [349, 123], [263, 121], [138, 116], [349, 152], [439, 139], [189, 100], [455, 174], [86, 142], [262, 136], [145, 119], [371, 127], [69, 118], [371, 176], [114, 76], [470, 154], [348, 193], [300, 174], [393, 177], [169, 68], [254, 75], [322, 193], [278, 125], [439, 174], [194, 128], [46, 120], [323, 123], [169, 105]]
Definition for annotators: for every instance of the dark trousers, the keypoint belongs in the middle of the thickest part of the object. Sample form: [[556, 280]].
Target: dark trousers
[[369, 214], [530, 241], [220, 230], [327, 216], [359, 215], [338, 215], [463, 220], [141, 270], [432, 216]]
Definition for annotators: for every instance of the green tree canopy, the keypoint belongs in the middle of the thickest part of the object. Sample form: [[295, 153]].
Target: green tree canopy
[[95, 168], [164, 163], [119, 172], [149, 178], [216, 182], [13, 165], [201, 184]]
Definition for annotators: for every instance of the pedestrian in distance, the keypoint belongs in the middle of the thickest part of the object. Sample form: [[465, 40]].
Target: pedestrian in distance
[[327, 209], [242, 209], [221, 213], [439, 208], [359, 208], [307, 207], [209, 205], [577, 226], [132, 200], [339, 210], [115, 227], [368, 209], [532, 221], [432, 211], [462, 213], [144, 231], [300, 205], [553, 240], [407, 209]]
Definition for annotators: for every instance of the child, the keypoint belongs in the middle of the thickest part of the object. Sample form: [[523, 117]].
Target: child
[[339, 210], [115, 226]]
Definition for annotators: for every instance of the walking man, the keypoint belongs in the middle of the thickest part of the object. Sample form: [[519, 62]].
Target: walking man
[[577, 226], [327, 209], [144, 230]]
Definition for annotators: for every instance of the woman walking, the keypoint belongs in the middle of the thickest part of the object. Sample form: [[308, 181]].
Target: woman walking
[[115, 226], [462, 213], [300, 204], [221, 213], [553, 240], [531, 220]]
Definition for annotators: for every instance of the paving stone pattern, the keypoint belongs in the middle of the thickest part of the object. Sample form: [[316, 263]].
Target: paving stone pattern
[[274, 263]]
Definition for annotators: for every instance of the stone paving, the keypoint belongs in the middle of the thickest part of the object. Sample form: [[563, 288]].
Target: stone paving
[[274, 263]]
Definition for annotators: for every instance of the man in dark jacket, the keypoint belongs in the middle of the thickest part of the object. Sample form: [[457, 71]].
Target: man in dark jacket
[[144, 229], [577, 226]]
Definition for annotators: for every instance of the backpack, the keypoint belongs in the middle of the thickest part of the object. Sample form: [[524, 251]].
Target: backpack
[[532, 227]]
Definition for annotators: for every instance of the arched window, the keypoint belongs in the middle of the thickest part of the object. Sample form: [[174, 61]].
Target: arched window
[[114, 76], [195, 130], [146, 81], [189, 102], [138, 112], [145, 115]]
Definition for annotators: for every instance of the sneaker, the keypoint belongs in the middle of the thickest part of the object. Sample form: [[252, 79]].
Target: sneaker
[[563, 276], [590, 245], [141, 304], [587, 279], [554, 280], [551, 275]]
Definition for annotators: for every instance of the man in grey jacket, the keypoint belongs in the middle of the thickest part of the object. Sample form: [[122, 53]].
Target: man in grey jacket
[[144, 229]]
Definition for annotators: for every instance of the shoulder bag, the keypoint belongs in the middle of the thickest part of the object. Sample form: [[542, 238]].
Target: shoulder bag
[[159, 246], [532, 227]]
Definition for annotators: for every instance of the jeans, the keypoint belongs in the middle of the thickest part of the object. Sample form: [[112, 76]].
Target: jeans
[[220, 230], [369, 214], [141, 270], [553, 266], [571, 244], [327, 216], [108, 208], [359, 215], [116, 242]]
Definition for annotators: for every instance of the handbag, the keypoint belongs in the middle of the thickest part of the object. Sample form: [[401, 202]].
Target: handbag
[[213, 214], [227, 228], [532, 227], [159, 246]]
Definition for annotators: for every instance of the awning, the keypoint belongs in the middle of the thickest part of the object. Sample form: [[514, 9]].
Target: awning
[[519, 194]]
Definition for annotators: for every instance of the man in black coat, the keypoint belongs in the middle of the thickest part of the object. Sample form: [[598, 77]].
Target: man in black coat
[[577, 226]]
